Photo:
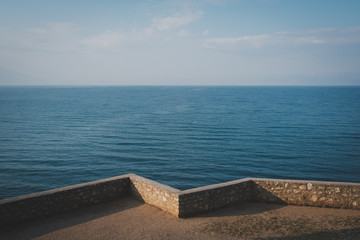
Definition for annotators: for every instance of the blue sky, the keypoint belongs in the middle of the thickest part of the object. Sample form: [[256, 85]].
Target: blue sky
[[205, 42]]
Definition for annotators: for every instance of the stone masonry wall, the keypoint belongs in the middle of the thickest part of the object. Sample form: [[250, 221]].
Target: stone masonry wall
[[42, 204], [156, 194], [308, 193], [180, 203], [212, 197]]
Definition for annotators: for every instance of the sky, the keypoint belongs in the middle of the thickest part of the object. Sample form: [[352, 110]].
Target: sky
[[168, 42]]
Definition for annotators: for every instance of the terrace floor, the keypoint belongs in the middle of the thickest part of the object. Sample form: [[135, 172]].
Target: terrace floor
[[127, 218]]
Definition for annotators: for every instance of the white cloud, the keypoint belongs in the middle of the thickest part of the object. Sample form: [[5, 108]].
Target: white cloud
[[55, 28], [251, 41], [54, 37], [37, 30], [319, 36], [268, 2], [67, 37], [204, 33], [166, 27], [183, 33], [175, 21], [104, 39]]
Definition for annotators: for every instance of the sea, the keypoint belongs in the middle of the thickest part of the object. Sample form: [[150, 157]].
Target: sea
[[184, 137]]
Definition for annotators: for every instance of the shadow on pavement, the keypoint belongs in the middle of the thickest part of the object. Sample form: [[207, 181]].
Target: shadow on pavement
[[49, 224]]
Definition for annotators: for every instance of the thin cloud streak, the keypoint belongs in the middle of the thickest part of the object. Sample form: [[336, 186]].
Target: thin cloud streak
[[104, 39], [55, 28], [175, 21], [52, 37], [159, 25], [318, 36]]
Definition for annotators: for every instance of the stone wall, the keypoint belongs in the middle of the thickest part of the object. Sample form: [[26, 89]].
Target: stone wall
[[156, 194], [212, 197], [180, 203], [42, 204], [308, 193]]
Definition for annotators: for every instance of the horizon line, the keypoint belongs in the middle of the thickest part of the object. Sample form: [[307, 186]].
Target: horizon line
[[172, 85]]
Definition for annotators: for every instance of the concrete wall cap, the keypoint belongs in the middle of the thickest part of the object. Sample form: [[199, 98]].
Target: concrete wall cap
[[215, 186], [155, 184], [304, 181], [64, 189]]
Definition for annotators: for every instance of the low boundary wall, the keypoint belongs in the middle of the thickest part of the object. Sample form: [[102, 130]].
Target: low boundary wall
[[308, 193], [185, 203], [156, 194], [64, 199], [216, 196]]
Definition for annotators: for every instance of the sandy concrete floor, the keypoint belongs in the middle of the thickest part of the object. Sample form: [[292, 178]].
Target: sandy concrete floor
[[129, 219]]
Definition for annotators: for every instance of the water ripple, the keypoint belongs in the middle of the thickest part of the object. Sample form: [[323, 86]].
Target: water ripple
[[182, 136]]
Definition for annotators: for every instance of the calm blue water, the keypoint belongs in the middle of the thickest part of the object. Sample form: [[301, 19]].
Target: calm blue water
[[181, 136]]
